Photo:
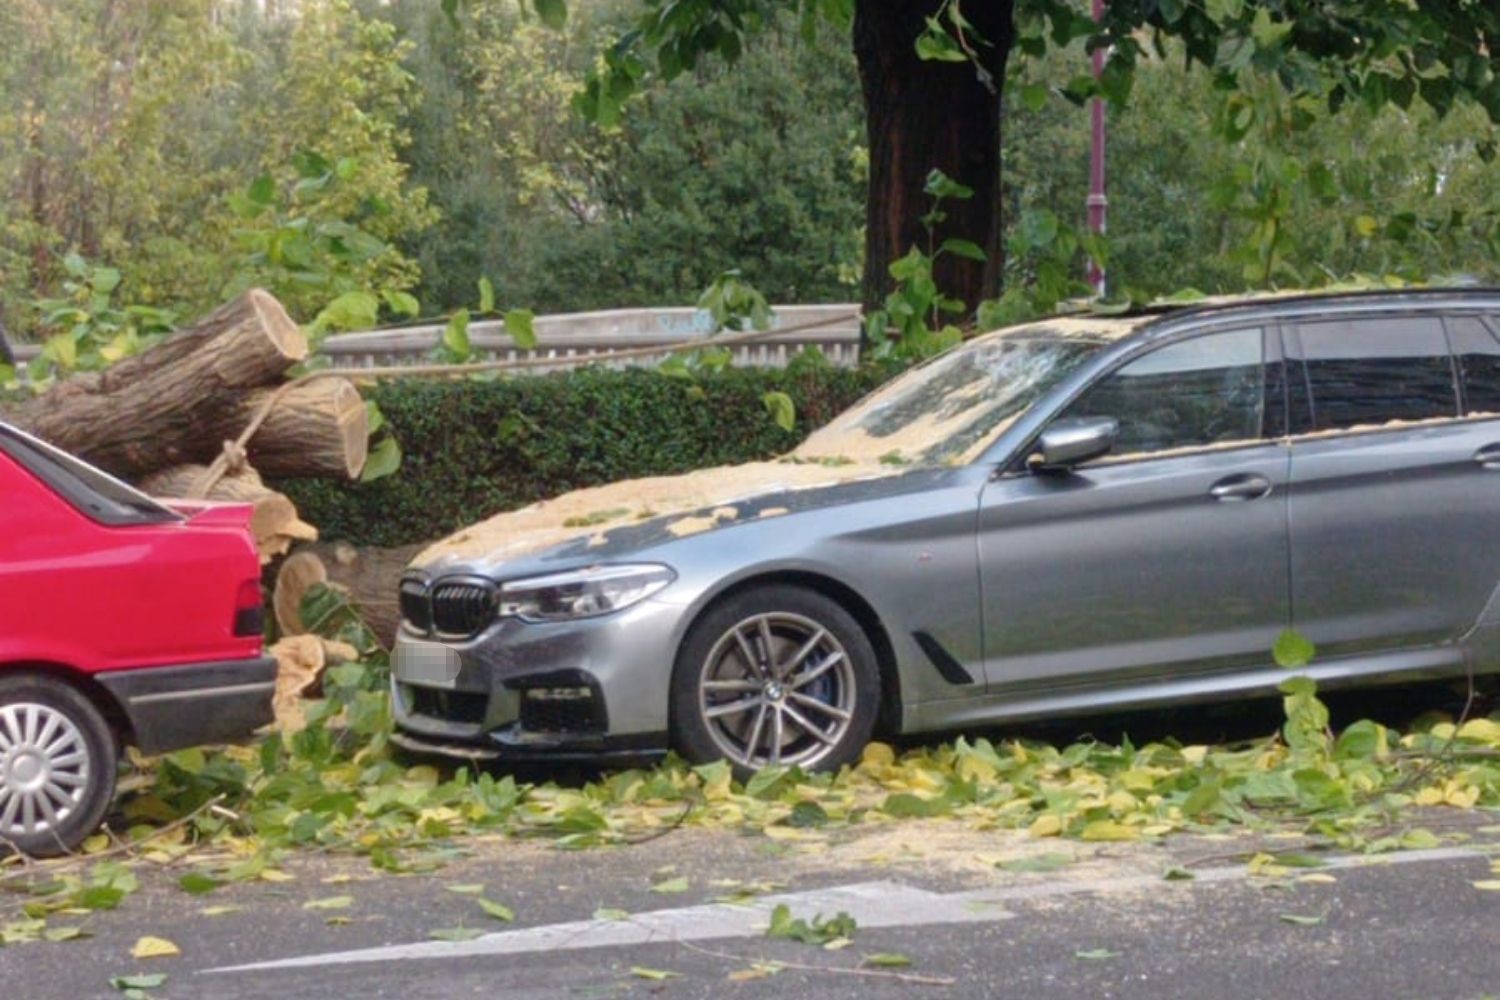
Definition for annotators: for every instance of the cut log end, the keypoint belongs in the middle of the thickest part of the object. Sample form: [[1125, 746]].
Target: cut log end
[[318, 428], [279, 327], [298, 574]]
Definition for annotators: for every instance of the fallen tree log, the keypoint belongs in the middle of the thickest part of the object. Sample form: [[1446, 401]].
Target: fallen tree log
[[161, 408], [298, 573], [318, 428], [300, 662], [370, 576], [274, 523]]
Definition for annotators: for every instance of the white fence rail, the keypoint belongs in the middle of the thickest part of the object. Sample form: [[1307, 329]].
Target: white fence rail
[[572, 339]]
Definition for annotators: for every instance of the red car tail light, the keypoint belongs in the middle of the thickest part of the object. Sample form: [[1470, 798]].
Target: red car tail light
[[249, 610]]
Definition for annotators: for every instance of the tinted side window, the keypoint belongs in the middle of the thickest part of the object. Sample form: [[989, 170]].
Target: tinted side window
[[1477, 351], [1368, 372], [1198, 392]]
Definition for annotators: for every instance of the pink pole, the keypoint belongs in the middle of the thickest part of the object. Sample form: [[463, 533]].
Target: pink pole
[[1098, 203]]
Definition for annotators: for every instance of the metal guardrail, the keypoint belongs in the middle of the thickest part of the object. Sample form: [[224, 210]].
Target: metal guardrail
[[573, 339]]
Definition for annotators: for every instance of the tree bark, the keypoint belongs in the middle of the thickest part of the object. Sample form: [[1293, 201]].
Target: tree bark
[[161, 408], [371, 576], [319, 428], [921, 116]]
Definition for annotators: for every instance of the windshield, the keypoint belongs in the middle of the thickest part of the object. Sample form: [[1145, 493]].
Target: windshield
[[952, 408], [93, 493]]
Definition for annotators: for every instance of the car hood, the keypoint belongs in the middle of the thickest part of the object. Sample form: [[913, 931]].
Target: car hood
[[603, 521]]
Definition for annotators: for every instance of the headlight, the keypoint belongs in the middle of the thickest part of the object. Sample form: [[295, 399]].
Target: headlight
[[584, 593]]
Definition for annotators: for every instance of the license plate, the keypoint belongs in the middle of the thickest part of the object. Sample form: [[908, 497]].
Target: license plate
[[426, 663]]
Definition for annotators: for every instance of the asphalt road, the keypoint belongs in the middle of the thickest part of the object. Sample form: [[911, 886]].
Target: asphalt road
[[1104, 925]]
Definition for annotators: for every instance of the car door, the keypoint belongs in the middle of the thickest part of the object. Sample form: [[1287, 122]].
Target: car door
[[1166, 557], [1395, 491]]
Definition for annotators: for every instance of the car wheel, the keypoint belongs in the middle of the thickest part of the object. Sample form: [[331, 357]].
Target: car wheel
[[57, 766], [775, 675]]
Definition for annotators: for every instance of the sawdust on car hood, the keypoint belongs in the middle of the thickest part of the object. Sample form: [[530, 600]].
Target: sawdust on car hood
[[946, 412]]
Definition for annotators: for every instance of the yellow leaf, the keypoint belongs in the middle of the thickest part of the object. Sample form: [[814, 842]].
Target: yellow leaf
[[745, 975], [877, 755], [1046, 825], [1430, 797], [1464, 797], [1194, 754], [1481, 731], [1122, 802], [154, 947], [1108, 829], [1317, 878], [274, 875], [1488, 884], [98, 842], [218, 911]]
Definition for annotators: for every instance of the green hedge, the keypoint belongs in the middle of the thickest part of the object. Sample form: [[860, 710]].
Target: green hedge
[[473, 448]]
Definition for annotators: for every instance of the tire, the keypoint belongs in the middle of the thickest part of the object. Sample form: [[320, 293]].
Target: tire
[[57, 754], [822, 693]]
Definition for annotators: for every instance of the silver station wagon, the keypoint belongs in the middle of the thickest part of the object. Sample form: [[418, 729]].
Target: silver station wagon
[[1076, 515]]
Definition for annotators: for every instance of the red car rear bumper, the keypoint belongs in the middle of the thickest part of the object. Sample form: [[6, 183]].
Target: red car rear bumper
[[181, 706]]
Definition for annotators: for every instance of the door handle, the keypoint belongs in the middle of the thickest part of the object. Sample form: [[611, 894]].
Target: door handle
[[1488, 457], [1245, 486]]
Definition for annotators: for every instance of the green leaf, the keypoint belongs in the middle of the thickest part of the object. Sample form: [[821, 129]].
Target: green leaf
[[781, 408], [262, 191], [609, 913], [350, 311], [1049, 862], [1292, 650], [655, 975], [143, 981], [383, 460], [886, 960], [1096, 954], [497, 910], [472, 889], [402, 303], [1034, 96], [1299, 919], [198, 883], [99, 897], [671, 885], [486, 296], [964, 248], [456, 336], [104, 279], [521, 325], [554, 13], [331, 903], [455, 934]]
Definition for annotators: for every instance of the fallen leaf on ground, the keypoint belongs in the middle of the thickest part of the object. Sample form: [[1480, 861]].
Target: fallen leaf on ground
[[331, 903], [154, 947], [656, 975]]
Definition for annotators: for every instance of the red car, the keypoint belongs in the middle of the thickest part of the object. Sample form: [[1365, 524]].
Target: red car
[[122, 621]]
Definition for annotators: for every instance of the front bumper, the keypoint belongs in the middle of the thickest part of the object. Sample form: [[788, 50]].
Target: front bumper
[[591, 688], [181, 706]]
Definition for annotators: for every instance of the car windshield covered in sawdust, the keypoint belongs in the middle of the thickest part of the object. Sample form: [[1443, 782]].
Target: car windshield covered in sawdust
[[1076, 515]]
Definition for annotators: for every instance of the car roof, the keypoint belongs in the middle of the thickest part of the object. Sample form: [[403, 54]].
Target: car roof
[[1334, 301], [1165, 316]]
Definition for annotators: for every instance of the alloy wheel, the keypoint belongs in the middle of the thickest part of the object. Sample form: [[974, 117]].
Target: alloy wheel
[[777, 688], [44, 769]]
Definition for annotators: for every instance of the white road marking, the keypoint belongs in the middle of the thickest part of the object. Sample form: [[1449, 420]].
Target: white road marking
[[871, 904]]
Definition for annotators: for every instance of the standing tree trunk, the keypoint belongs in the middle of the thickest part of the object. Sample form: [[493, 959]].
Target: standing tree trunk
[[925, 115]]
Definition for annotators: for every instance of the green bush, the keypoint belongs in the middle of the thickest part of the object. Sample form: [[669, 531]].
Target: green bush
[[474, 448]]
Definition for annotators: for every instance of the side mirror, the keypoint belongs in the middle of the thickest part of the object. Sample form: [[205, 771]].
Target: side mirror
[[1070, 442]]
